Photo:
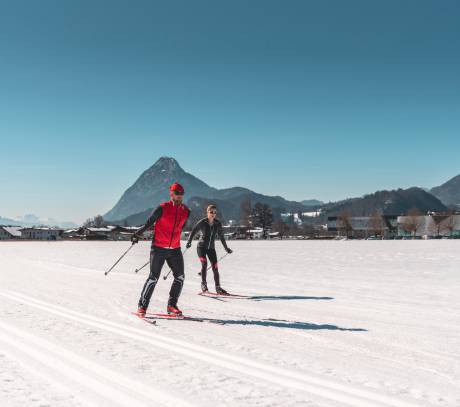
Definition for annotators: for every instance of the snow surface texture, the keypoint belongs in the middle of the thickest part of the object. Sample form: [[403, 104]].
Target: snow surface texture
[[353, 323]]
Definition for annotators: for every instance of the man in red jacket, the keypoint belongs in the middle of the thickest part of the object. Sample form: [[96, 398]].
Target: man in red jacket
[[169, 218]]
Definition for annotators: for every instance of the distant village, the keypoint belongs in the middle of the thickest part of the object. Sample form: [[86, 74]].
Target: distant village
[[290, 226]]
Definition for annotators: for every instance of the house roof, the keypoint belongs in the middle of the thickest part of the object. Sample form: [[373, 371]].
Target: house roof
[[43, 228], [12, 230]]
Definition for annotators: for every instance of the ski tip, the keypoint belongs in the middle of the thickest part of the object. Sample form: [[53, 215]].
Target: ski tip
[[143, 317]]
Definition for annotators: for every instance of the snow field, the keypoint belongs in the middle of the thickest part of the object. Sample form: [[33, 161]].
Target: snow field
[[330, 324]]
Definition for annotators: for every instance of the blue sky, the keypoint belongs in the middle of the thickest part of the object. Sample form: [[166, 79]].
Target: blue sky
[[303, 99]]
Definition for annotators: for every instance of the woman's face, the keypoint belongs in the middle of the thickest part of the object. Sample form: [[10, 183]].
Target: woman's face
[[212, 213]]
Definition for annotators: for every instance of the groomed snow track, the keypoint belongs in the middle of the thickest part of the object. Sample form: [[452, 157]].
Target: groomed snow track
[[119, 390]]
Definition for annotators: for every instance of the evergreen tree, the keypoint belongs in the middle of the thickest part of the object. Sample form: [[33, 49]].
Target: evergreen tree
[[262, 217]]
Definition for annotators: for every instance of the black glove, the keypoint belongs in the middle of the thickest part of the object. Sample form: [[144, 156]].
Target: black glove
[[229, 251], [188, 245], [134, 239]]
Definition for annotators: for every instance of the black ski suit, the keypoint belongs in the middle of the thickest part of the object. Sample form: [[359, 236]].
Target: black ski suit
[[206, 246]]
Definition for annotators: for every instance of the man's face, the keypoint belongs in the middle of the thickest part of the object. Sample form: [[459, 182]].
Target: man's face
[[177, 197]]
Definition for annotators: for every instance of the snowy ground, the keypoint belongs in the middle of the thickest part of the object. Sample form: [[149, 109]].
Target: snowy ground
[[354, 323]]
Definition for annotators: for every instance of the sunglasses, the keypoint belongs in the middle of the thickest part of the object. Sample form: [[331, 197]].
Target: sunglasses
[[178, 193], [212, 212]]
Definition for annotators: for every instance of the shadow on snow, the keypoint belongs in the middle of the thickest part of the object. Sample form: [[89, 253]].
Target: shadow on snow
[[277, 323], [286, 297]]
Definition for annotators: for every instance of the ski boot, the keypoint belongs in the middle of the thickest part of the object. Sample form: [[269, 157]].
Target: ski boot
[[204, 287], [221, 291], [141, 312], [173, 310]]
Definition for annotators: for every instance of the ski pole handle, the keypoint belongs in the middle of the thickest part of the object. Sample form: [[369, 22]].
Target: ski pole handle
[[118, 261]]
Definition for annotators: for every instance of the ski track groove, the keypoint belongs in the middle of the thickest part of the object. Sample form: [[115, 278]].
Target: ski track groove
[[107, 384], [327, 389]]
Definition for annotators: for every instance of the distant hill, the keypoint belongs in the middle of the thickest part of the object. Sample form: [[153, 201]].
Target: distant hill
[[32, 220], [449, 192], [152, 188], [8, 221], [394, 202], [312, 202]]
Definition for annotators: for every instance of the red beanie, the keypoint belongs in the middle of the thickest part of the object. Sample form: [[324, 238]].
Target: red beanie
[[176, 187]]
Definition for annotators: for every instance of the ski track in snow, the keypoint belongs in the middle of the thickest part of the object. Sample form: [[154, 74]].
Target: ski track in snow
[[112, 388], [39, 370], [320, 387]]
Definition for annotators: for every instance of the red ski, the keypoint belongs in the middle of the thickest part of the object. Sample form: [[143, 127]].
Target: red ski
[[152, 317], [149, 321], [166, 316]]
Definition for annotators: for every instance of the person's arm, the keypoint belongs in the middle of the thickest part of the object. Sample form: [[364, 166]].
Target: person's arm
[[154, 216], [186, 219], [222, 238], [193, 233]]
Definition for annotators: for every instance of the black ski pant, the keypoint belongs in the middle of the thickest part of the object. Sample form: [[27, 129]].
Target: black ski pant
[[212, 255], [174, 259]]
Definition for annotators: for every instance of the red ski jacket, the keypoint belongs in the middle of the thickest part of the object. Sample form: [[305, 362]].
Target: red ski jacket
[[169, 219]]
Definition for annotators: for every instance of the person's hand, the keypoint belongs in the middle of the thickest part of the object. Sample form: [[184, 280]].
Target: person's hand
[[229, 251], [134, 239], [188, 245]]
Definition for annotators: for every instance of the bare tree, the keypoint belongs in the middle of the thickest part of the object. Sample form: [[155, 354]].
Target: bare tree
[[308, 230], [281, 227], [88, 223], [377, 224], [98, 221], [438, 224], [245, 212], [413, 221], [344, 224], [450, 223], [294, 230]]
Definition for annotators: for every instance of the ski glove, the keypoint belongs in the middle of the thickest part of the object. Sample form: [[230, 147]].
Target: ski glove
[[229, 251], [188, 245], [134, 239]]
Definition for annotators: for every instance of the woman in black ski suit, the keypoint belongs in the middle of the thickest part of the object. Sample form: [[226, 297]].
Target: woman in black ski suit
[[209, 227]]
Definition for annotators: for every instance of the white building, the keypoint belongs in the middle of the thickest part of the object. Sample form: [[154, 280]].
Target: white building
[[42, 233], [257, 233], [10, 232]]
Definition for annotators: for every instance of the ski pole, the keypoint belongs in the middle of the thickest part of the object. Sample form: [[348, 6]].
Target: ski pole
[[166, 276], [140, 268], [123, 255], [217, 262]]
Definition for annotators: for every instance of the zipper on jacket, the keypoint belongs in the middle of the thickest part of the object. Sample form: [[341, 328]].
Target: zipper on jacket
[[210, 239], [174, 227]]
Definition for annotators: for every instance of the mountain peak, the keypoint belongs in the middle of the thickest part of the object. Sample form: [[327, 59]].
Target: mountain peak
[[152, 188], [166, 163]]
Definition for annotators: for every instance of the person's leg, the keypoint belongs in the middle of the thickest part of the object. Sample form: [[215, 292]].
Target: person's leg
[[176, 262], [157, 260], [215, 267], [204, 265]]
